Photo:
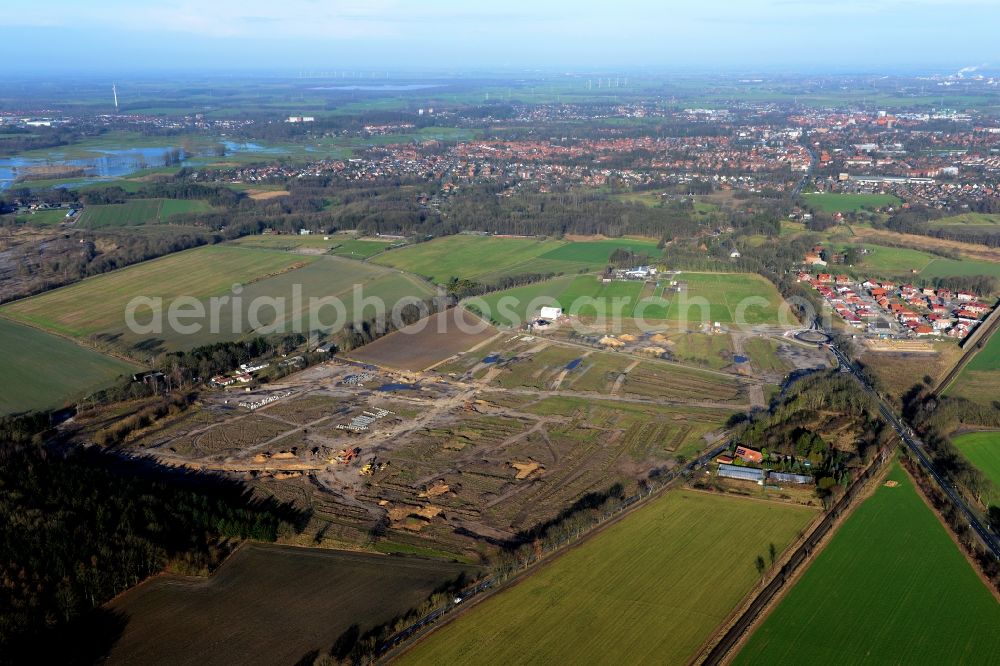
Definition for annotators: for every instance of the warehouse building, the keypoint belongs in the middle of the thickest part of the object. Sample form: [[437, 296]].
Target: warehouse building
[[786, 477], [742, 473]]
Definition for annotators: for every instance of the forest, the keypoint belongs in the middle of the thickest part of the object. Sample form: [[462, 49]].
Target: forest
[[78, 527]]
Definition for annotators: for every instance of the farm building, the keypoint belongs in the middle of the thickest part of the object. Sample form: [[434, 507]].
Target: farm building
[[749, 455], [786, 477], [743, 473]]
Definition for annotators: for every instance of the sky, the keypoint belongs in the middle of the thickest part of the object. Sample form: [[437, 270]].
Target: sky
[[106, 36]]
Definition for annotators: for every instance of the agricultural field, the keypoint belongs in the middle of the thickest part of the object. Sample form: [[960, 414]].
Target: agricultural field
[[41, 217], [467, 256], [98, 303], [94, 309], [44, 371], [979, 380], [830, 202], [895, 260], [355, 248], [486, 258], [270, 604], [512, 307], [966, 267], [890, 587], [289, 242], [728, 298], [708, 297], [138, 212], [427, 342], [658, 581], [983, 450], [587, 296], [899, 372], [985, 222], [595, 253]]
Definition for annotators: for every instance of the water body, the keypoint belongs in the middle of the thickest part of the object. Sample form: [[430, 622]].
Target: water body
[[398, 387], [740, 359], [111, 163], [572, 365], [388, 87], [492, 358]]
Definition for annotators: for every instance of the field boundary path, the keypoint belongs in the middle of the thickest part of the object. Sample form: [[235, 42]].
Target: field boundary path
[[617, 388]]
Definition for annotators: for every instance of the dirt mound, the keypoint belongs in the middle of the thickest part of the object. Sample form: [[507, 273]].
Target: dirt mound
[[262, 195], [525, 469], [656, 351], [627, 337], [438, 488], [609, 341]]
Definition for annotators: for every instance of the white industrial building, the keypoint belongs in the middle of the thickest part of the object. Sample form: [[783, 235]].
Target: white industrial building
[[550, 313]]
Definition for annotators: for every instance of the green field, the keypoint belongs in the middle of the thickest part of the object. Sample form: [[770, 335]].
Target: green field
[[288, 242], [965, 267], [895, 259], [44, 371], [582, 295], [138, 212], [512, 307], [95, 308], [988, 358], [98, 303], [891, 587], [360, 249], [596, 253], [832, 202], [989, 220], [983, 450], [726, 298], [649, 589], [586, 296], [466, 256], [486, 258], [979, 380], [981, 223], [42, 217], [709, 297]]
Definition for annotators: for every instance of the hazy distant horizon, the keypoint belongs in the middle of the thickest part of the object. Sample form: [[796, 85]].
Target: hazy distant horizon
[[254, 36]]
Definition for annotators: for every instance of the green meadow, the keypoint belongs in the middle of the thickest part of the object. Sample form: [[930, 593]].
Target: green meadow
[[890, 587]]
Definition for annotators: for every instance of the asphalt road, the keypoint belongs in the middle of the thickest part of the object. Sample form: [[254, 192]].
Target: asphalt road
[[917, 447]]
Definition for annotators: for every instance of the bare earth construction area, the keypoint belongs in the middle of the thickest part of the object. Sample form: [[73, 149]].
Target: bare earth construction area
[[427, 342]]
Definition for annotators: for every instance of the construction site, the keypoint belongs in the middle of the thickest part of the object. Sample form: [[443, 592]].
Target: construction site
[[484, 446]]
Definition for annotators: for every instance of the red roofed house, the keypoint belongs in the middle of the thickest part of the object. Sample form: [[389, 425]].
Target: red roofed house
[[749, 455]]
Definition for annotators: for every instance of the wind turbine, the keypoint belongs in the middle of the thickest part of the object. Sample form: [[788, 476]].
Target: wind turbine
[[114, 91]]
